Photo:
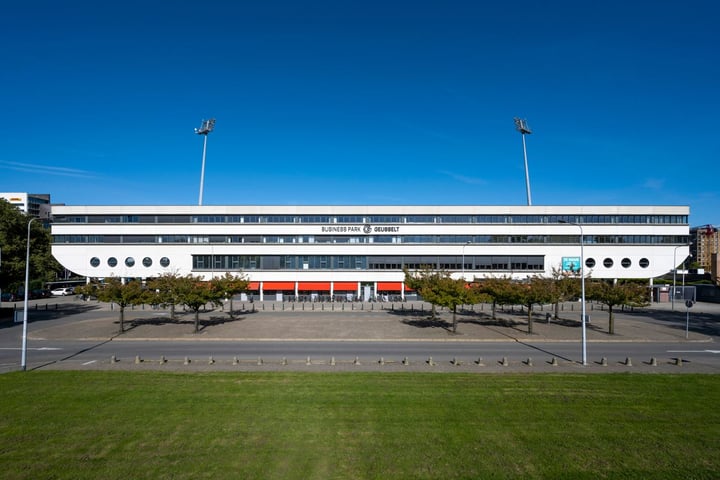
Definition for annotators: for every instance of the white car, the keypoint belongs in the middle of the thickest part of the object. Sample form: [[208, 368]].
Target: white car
[[61, 292]]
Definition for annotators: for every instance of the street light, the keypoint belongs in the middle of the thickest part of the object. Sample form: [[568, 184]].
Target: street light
[[23, 358], [463, 258], [582, 289], [674, 292], [522, 127], [205, 128]]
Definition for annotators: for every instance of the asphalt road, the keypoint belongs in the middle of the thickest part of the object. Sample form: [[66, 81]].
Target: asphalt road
[[188, 354]]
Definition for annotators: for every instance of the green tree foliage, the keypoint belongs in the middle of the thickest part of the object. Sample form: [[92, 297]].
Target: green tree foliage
[[438, 288], [117, 292], [165, 290], [500, 291], [565, 287], [535, 290], [195, 293], [613, 294], [229, 285], [13, 245]]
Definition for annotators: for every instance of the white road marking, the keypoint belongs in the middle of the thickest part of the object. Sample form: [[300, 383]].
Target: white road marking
[[693, 351], [90, 362], [38, 349]]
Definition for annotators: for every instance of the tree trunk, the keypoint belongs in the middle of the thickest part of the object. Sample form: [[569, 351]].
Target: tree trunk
[[557, 310], [494, 307], [454, 318], [122, 319], [197, 320], [530, 319], [611, 320], [172, 311], [231, 307]]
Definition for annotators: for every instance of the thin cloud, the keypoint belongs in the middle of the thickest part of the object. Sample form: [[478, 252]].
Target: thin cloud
[[654, 183], [46, 169], [464, 178]]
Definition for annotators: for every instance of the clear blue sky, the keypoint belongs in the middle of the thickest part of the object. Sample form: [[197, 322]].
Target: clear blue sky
[[363, 102]]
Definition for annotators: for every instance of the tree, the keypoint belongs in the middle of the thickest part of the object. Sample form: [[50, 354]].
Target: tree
[[566, 286], [115, 291], [13, 245], [535, 290], [500, 290], [616, 293], [195, 293], [165, 290], [229, 285], [439, 288]]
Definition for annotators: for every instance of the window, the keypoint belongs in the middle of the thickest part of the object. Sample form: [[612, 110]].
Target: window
[[147, 261], [164, 261], [626, 262], [112, 261], [608, 262], [590, 262], [130, 261], [95, 262], [644, 263]]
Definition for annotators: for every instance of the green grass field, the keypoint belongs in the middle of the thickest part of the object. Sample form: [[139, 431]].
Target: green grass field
[[120, 425]]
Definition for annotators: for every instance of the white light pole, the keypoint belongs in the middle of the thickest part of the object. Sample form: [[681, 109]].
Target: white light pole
[[463, 258], [672, 299], [23, 358], [582, 289], [205, 128], [522, 127]]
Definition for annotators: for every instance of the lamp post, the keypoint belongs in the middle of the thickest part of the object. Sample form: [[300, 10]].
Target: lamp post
[[205, 128], [582, 289], [463, 258], [23, 358], [522, 127], [672, 298]]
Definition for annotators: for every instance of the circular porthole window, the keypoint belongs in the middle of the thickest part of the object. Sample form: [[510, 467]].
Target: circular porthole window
[[164, 261], [608, 263], [644, 263], [129, 261], [95, 262], [147, 261], [112, 261], [590, 262], [626, 262]]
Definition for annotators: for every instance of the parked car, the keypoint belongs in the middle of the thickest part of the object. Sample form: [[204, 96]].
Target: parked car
[[61, 292], [9, 297]]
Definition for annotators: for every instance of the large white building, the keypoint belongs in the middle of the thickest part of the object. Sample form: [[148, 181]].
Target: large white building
[[360, 251]]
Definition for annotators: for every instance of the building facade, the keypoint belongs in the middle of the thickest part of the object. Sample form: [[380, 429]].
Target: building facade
[[704, 242], [34, 204], [359, 252]]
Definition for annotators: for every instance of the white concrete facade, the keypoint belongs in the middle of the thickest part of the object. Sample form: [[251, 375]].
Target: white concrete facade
[[297, 244]]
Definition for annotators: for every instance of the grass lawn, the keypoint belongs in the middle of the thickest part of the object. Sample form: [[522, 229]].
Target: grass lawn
[[124, 425]]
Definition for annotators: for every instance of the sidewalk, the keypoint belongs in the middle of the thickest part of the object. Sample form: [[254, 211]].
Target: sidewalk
[[373, 322]]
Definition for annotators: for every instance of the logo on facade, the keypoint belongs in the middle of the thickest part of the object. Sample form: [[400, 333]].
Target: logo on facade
[[367, 228]]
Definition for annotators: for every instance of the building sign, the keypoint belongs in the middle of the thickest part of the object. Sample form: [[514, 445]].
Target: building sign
[[571, 264], [367, 229]]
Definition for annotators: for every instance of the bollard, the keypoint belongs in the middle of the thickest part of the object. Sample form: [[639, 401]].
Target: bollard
[[653, 362], [332, 361], [455, 361], [187, 361], [480, 362], [382, 361], [284, 361], [628, 362], [406, 361], [260, 361], [138, 359], [603, 362], [504, 362], [113, 359], [554, 362], [430, 361], [211, 360], [308, 362], [235, 360], [356, 361], [529, 362], [679, 361], [162, 359]]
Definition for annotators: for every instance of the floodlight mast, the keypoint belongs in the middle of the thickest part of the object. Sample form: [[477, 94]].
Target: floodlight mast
[[522, 127], [206, 127]]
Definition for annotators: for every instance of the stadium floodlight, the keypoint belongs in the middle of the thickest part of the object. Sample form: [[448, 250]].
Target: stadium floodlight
[[522, 127], [206, 127]]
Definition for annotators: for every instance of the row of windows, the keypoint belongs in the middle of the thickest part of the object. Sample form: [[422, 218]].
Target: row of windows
[[404, 239], [374, 219], [358, 262], [112, 262]]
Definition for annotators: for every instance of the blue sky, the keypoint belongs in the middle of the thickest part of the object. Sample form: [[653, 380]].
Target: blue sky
[[367, 102]]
